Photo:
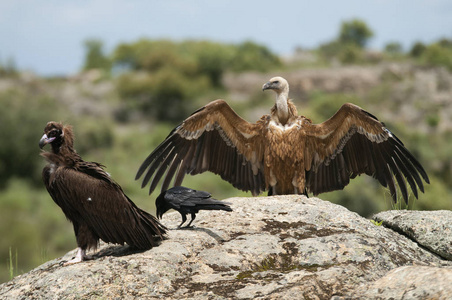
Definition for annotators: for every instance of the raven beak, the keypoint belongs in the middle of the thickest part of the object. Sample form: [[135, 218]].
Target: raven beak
[[159, 214], [266, 86], [45, 140]]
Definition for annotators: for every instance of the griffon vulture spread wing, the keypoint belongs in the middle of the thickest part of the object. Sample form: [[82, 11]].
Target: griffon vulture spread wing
[[282, 152], [91, 200]]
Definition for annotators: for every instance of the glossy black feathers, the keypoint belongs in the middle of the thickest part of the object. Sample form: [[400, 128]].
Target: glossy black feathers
[[187, 201]]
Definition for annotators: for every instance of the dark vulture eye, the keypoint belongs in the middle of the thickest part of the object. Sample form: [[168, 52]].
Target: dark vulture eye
[[276, 81], [54, 133]]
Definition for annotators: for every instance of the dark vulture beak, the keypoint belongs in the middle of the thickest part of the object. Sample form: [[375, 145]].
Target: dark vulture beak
[[45, 140]]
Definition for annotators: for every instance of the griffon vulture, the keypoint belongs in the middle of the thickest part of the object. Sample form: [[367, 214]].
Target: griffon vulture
[[91, 200], [282, 152], [187, 201]]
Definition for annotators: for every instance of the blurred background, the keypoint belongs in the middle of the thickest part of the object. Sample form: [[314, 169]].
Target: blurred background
[[124, 73]]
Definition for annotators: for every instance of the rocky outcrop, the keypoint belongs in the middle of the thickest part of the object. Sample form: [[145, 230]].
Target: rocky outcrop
[[430, 229], [285, 247]]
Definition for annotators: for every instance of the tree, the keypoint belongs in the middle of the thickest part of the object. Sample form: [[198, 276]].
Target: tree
[[446, 43], [438, 55], [393, 48], [95, 57], [9, 68], [355, 32], [252, 56], [418, 49]]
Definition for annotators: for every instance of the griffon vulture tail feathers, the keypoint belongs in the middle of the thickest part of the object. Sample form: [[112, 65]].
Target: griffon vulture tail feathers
[[283, 152], [91, 200]]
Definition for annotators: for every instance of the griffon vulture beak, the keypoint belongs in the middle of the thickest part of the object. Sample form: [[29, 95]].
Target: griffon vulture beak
[[267, 86], [45, 140]]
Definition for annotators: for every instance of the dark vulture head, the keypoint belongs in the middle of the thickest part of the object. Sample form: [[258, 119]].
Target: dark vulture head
[[278, 84], [57, 134]]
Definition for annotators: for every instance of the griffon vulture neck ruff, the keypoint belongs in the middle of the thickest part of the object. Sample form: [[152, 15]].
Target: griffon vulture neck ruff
[[282, 152], [91, 200]]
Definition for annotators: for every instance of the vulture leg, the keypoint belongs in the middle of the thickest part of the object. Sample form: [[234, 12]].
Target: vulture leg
[[184, 218], [193, 216], [270, 191], [79, 257]]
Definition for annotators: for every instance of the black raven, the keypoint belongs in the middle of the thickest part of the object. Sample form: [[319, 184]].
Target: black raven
[[187, 201]]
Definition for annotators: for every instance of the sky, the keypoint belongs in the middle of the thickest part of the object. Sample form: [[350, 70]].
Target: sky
[[46, 36]]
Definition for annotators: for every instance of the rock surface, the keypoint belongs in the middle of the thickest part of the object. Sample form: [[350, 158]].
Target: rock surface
[[431, 229], [285, 247], [410, 282]]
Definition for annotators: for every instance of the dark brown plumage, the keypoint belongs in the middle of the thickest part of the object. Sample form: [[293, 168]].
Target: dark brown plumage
[[91, 200], [284, 153]]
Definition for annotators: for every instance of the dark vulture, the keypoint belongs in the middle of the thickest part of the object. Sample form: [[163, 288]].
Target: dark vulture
[[91, 200], [187, 201], [282, 152]]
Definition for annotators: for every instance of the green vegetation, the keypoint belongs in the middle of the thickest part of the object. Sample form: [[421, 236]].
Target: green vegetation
[[355, 32], [376, 223], [438, 54], [120, 116], [17, 106], [179, 72], [95, 57], [394, 48], [8, 68], [349, 46], [12, 265]]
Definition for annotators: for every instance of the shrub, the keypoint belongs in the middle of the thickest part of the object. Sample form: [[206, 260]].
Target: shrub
[[350, 54], [418, 49], [165, 95], [438, 55], [95, 57], [355, 32], [251, 56], [164, 77], [22, 119], [393, 48]]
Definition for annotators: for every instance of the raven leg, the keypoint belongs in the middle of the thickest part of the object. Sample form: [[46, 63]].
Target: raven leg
[[184, 218], [193, 216]]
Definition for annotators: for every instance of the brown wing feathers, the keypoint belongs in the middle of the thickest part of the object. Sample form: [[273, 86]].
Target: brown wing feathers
[[366, 148], [272, 153], [203, 142], [90, 199], [178, 156]]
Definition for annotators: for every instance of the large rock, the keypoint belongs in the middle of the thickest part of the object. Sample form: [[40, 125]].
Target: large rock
[[431, 229], [285, 247], [410, 282]]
